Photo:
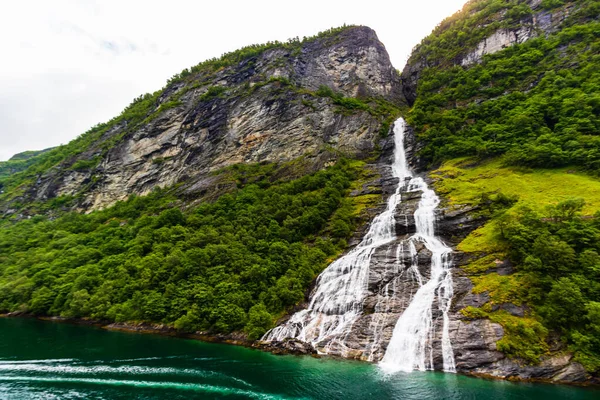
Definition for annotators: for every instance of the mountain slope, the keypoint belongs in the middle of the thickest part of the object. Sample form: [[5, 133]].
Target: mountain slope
[[267, 103], [505, 103], [243, 179], [247, 175]]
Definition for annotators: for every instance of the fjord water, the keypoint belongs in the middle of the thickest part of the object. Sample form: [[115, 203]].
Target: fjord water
[[45, 360]]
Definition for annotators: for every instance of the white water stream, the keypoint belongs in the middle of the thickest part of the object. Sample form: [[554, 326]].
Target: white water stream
[[337, 301]]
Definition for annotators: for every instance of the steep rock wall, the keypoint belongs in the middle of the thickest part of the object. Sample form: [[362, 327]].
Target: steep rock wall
[[263, 109]]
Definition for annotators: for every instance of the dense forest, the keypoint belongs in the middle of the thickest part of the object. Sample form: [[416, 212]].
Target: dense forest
[[515, 135], [536, 103], [230, 265], [232, 261]]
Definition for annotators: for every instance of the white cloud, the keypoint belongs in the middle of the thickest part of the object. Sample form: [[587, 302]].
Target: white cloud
[[69, 64]]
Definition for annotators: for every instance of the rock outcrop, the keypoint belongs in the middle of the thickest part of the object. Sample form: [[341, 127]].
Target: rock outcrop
[[263, 109], [267, 109], [541, 21], [391, 286]]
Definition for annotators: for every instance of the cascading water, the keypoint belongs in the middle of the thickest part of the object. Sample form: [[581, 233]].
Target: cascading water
[[411, 344], [337, 301]]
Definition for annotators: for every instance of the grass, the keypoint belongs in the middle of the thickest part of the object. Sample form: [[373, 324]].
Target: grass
[[483, 264], [524, 337], [463, 181], [501, 288], [363, 202]]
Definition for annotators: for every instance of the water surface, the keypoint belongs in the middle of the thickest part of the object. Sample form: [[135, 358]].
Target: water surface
[[44, 360]]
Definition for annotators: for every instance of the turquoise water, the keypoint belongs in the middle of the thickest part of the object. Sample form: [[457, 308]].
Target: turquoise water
[[43, 360]]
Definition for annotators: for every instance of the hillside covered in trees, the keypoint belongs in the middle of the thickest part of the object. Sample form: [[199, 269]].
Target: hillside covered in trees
[[216, 228], [515, 132]]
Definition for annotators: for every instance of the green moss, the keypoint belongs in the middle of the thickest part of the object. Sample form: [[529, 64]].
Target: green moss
[[364, 202], [524, 338], [501, 288], [462, 181], [84, 165], [484, 239], [473, 313], [483, 264]]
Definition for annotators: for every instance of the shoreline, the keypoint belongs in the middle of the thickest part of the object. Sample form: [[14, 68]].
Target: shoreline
[[238, 340]]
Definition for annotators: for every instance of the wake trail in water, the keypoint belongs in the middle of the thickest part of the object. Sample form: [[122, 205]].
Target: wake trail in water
[[196, 387], [47, 361], [127, 370]]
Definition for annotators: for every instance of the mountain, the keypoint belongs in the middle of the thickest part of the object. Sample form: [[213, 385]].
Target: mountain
[[19, 162], [211, 206], [336, 91], [504, 98]]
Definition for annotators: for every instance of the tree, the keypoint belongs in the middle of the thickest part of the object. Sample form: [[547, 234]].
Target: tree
[[259, 321]]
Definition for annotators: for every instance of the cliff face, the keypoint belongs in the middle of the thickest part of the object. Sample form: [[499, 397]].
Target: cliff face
[[493, 329], [263, 109], [490, 29], [315, 100]]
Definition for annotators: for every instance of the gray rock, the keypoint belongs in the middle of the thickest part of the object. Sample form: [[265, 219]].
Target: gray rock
[[251, 122], [541, 22]]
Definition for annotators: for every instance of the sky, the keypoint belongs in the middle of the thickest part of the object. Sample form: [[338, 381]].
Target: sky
[[67, 65]]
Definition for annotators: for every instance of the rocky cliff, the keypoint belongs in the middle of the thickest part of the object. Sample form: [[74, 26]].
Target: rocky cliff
[[267, 107], [491, 342], [315, 100], [391, 286], [473, 71]]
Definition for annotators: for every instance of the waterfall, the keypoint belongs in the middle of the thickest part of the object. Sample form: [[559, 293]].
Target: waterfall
[[337, 300], [411, 344]]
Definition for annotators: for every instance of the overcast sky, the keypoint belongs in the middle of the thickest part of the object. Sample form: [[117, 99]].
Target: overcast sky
[[67, 65]]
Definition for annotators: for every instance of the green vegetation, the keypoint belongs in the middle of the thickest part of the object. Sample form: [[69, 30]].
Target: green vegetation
[[552, 238], [19, 162], [17, 175], [133, 115], [517, 137], [536, 103], [464, 181], [557, 253], [235, 264], [375, 106], [254, 50], [524, 337]]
